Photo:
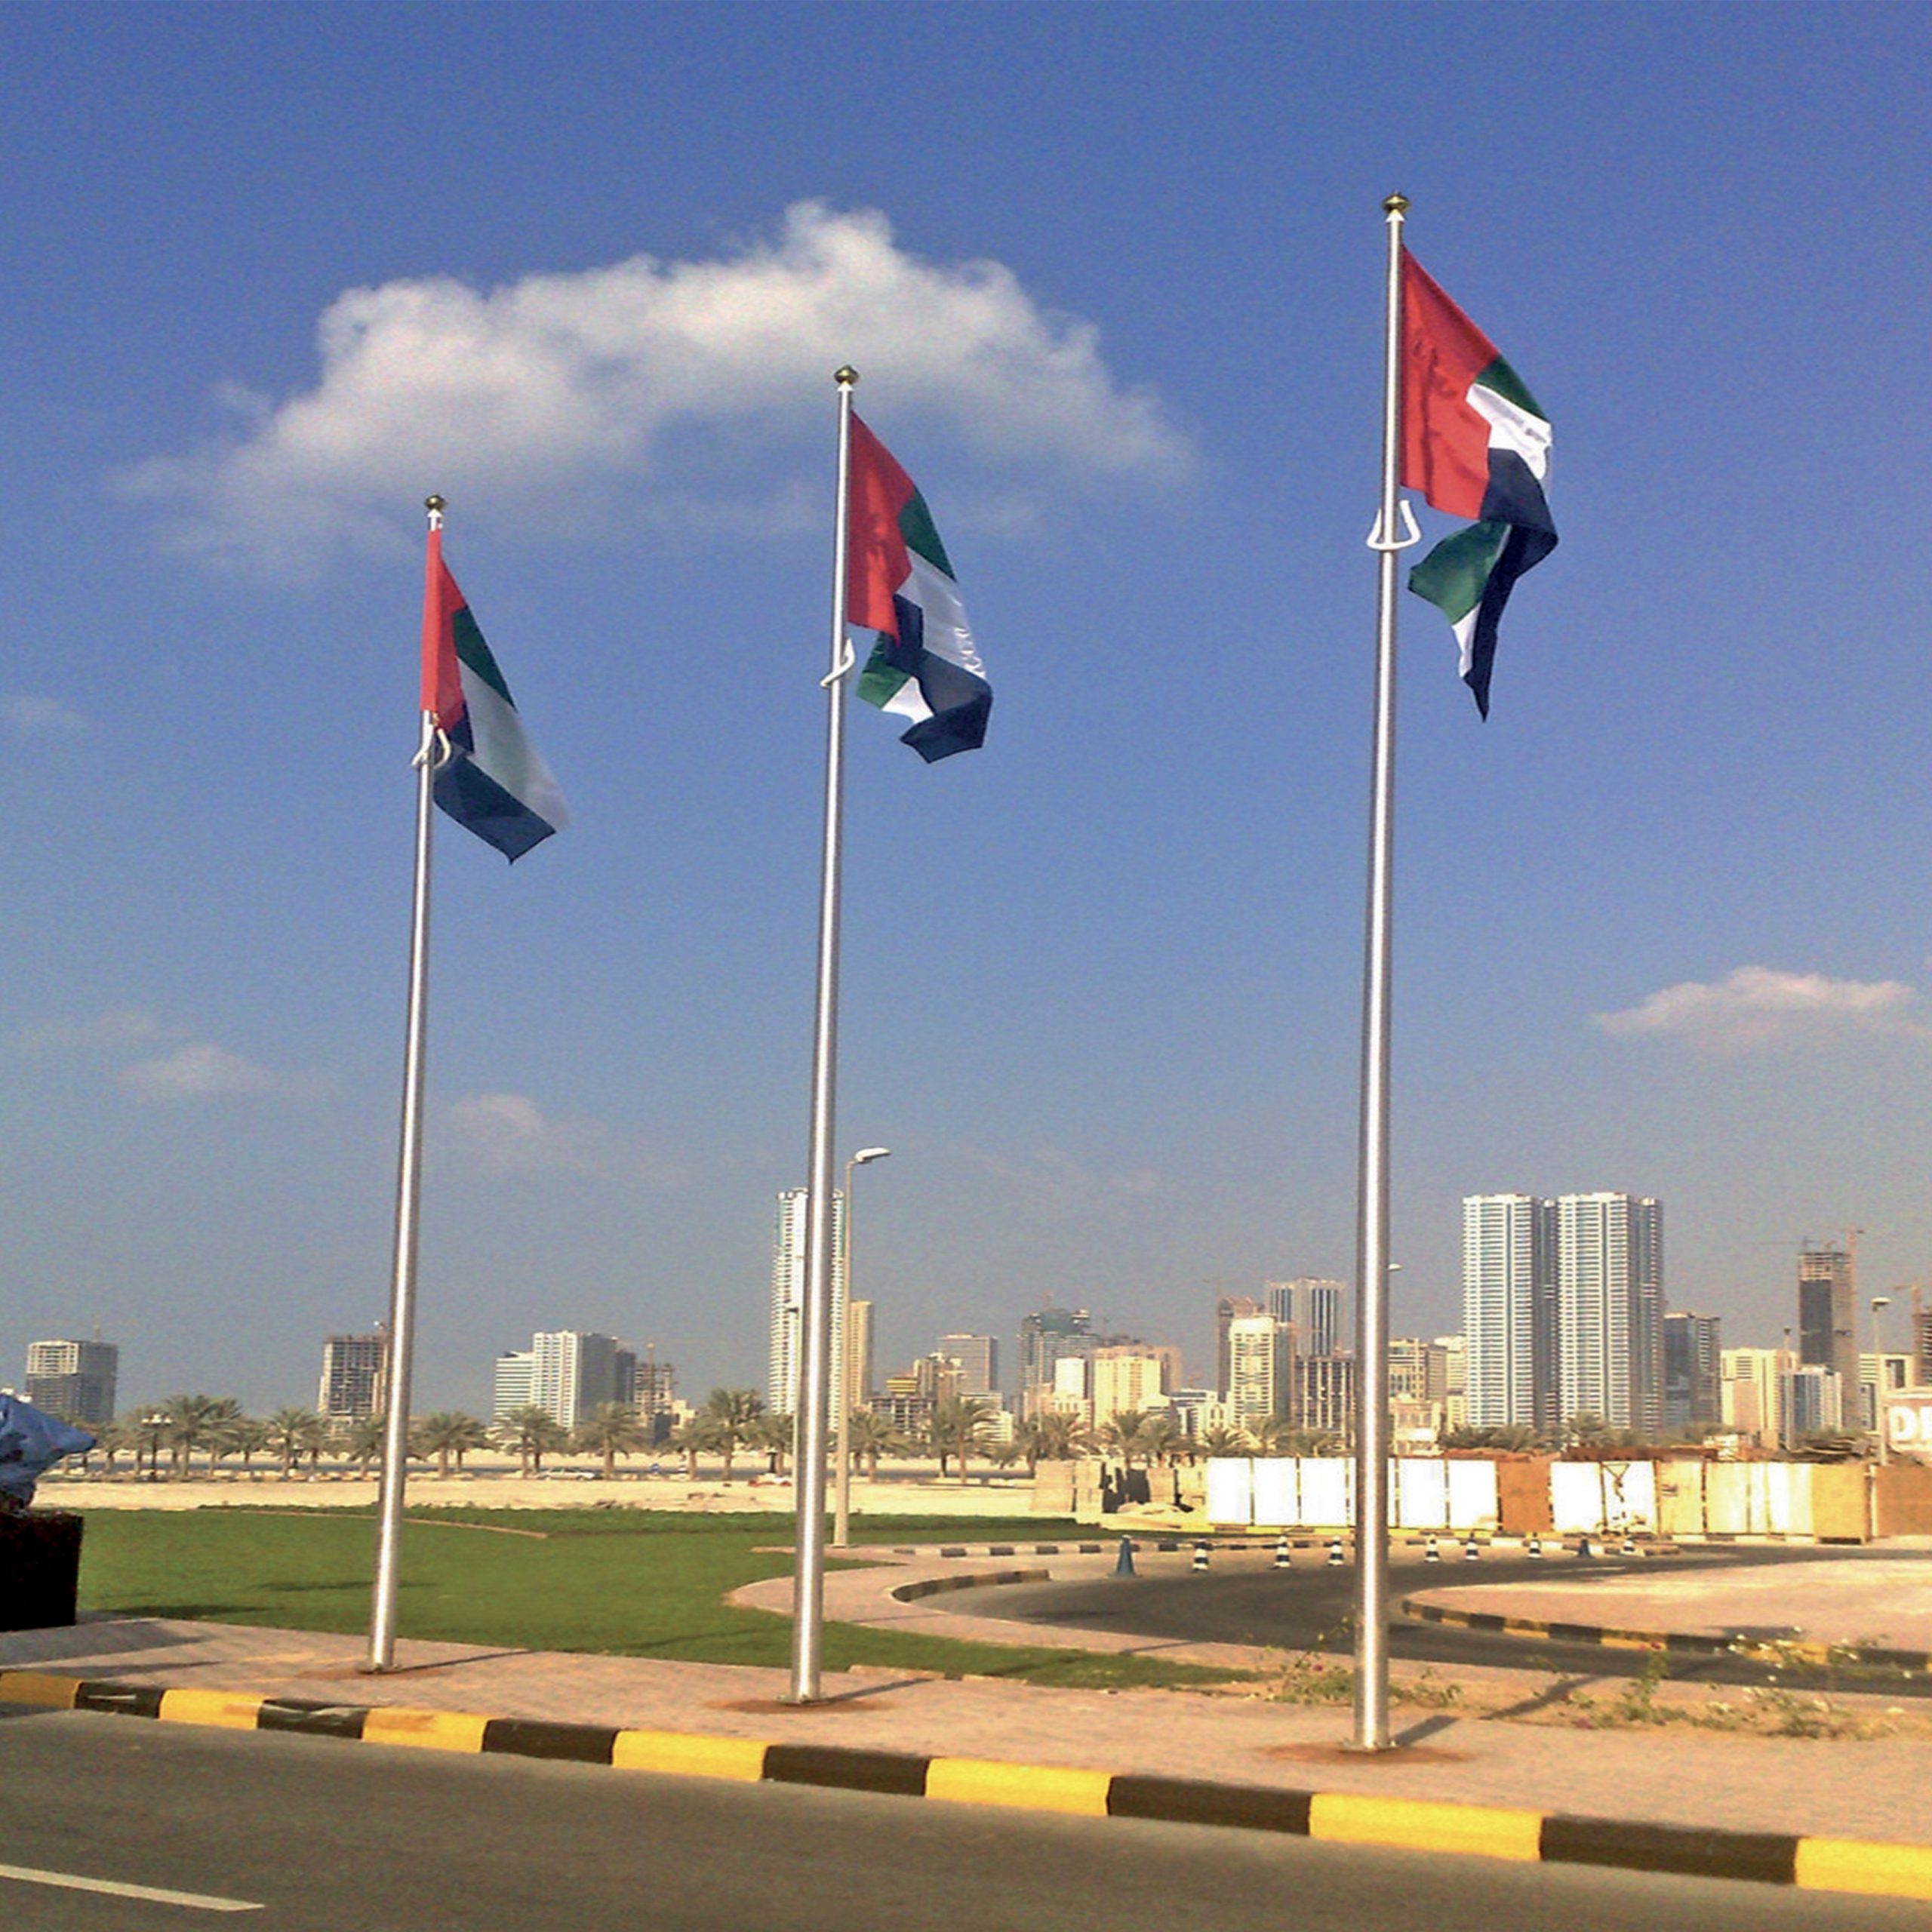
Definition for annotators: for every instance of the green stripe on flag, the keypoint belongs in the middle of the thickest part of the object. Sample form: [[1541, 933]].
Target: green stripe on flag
[[1453, 575], [1505, 381], [475, 652], [915, 526], [881, 682]]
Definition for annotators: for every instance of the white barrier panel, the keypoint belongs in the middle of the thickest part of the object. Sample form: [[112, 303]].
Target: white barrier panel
[[1421, 1493], [1327, 1492], [1788, 1498], [1277, 1493], [1575, 1498], [1629, 1495], [1230, 1490], [1472, 1501], [1727, 1498]]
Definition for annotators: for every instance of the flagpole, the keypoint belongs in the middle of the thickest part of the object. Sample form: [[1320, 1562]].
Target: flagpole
[[432, 751], [815, 1322], [1371, 1612]]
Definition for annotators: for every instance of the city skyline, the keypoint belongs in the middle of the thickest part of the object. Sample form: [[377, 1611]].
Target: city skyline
[[1119, 330]]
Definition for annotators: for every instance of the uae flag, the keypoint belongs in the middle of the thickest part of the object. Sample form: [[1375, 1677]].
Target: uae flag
[[898, 582], [1475, 443], [494, 783]]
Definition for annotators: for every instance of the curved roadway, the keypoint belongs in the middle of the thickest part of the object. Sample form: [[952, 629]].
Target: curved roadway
[[1244, 1599]]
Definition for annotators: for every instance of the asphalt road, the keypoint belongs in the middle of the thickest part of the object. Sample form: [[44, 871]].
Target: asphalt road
[[306, 1835], [1242, 1599]]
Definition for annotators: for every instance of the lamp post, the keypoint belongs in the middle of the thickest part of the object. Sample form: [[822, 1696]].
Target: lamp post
[[1879, 1304], [154, 1424], [841, 1482]]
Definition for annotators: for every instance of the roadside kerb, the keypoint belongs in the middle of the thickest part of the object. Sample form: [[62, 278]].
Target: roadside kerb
[[1824, 1864], [1611, 1637]]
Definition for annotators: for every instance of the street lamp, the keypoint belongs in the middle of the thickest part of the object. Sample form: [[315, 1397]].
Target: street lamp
[[154, 1424], [841, 1480]]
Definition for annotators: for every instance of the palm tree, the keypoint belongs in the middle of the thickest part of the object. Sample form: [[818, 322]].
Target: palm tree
[[770, 1434], [1053, 1437], [533, 1433], [361, 1442], [446, 1434], [732, 1412], [195, 1422], [871, 1436], [956, 1427], [251, 1436], [113, 1437], [612, 1430], [1221, 1440], [1121, 1433], [294, 1433], [1163, 1440], [695, 1436]]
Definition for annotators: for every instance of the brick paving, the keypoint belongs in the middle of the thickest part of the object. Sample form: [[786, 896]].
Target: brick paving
[[1868, 1789]]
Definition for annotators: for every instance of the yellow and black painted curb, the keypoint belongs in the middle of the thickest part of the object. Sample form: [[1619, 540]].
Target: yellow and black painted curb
[[1818, 1656], [1820, 1864]]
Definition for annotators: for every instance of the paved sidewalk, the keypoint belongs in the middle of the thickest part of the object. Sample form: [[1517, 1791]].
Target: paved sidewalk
[[1868, 1790]]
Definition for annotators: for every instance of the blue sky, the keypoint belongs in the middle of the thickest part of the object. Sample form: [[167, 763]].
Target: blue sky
[[1112, 276]]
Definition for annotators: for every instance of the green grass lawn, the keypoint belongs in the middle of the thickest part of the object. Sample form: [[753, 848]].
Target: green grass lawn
[[623, 1583]]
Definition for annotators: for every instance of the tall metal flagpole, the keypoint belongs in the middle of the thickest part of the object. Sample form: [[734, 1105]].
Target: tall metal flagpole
[[431, 752], [1372, 1215], [815, 1324]]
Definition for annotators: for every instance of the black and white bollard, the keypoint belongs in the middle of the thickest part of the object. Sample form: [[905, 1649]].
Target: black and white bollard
[[1629, 1545], [1124, 1562], [1533, 1549], [1335, 1557], [1471, 1551], [1284, 1560], [1200, 1558], [1583, 1547], [1430, 1553]]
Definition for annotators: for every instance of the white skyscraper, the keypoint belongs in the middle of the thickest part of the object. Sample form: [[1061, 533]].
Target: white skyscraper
[[788, 1300], [1610, 1309], [571, 1372], [1509, 1310], [1261, 1358]]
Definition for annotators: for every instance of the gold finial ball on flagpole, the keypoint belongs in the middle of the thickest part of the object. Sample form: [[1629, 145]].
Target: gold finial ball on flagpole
[[1396, 204], [846, 377], [434, 503]]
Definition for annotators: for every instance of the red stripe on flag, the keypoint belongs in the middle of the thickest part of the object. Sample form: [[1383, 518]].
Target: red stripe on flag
[[442, 682], [876, 563], [1445, 444]]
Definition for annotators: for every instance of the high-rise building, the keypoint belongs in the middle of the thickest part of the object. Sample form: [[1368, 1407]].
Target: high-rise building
[[653, 1386], [1261, 1357], [1127, 1378], [1827, 1303], [1315, 1307], [1751, 1394], [1693, 1348], [1510, 1311], [573, 1371], [978, 1357], [785, 1362], [351, 1381], [858, 1331], [1230, 1309], [1046, 1337], [513, 1383], [1325, 1394], [1889, 1371], [1922, 1340], [1813, 1401], [74, 1381], [1610, 1309]]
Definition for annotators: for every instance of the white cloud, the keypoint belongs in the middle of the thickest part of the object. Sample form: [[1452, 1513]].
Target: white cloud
[[201, 1071], [563, 391], [122, 1028], [40, 717], [1757, 1008], [509, 1134]]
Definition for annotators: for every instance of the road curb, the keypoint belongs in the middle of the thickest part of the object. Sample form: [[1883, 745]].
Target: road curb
[[1821, 1864], [1815, 1656]]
